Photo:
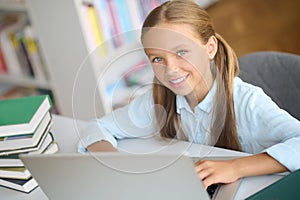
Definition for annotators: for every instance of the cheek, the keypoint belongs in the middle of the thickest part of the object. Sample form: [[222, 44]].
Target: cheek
[[198, 57], [158, 71], [199, 63]]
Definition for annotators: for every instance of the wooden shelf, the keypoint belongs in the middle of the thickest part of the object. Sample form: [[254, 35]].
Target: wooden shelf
[[24, 81], [9, 5]]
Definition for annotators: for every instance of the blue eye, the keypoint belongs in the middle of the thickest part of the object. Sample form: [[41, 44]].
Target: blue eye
[[156, 60], [181, 52]]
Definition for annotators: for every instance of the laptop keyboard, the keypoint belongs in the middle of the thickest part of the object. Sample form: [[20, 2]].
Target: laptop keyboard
[[212, 189]]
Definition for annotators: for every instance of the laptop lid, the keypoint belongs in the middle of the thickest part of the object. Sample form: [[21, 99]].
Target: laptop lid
[[116, 176]]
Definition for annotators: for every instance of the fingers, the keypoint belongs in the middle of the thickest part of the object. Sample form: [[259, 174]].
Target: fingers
[[205, 173], [216, 171], [207, 178], [210, 180], [202, 169]]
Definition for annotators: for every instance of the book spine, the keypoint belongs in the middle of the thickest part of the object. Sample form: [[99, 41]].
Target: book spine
[[87, 30], [3, 67], [96, 29], [9, 45], [32, 49], [124, 18], [135, 14], [114, 20], [146, 6], [10, 55], [105, 23], [24, 55]]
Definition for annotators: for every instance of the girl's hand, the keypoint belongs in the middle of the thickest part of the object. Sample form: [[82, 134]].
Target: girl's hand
[[228, 171], [216, 171], [101, 146]]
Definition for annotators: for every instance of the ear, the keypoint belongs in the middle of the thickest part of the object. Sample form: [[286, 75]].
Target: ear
[[211, 47]]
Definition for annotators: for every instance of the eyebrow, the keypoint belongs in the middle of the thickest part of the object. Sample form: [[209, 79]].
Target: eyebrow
[[173, 49], [180, 46]]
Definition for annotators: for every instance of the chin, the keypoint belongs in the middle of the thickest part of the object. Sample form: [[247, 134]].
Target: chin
[[181, 92]]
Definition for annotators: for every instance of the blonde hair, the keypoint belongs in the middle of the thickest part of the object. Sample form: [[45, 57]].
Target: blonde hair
[[223, 128]]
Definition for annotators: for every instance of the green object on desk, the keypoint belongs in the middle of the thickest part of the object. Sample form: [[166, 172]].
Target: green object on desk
[[21, 116], [285, 188]]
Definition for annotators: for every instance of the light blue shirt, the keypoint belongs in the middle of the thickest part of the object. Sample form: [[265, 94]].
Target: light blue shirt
[[261, 125]]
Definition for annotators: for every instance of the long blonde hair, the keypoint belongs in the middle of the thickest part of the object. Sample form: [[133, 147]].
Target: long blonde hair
[[225, 63]]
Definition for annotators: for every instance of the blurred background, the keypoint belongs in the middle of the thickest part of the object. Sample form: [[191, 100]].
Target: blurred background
[[258, 25], [63, 47]]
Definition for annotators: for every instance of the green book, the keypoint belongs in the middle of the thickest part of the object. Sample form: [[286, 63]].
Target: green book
[[22, 115], [285, 188]]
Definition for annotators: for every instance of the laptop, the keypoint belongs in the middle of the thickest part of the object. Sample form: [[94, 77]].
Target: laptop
[[120, 176]]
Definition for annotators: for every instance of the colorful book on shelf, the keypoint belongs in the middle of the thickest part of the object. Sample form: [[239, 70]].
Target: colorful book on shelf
[[92, 28], [147, 5], [35, 58], [125, 22], [3, 67], [10, 144], [96, 28], [285, 188], [19, 184], [22, 115], [48, 145], [143, 8], [135, 14], [22, 51], [115, 23], [10, 48], [86, 27], [105, 23], [5, 20]]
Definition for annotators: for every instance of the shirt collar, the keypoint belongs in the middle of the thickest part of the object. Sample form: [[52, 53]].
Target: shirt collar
[[205, 105]]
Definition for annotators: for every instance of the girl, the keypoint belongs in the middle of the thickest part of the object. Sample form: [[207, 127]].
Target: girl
[[198, 97]]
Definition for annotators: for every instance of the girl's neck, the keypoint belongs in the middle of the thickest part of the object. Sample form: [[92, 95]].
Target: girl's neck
[[200, 92]]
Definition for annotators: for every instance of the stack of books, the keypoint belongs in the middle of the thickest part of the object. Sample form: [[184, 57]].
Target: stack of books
[[24, 128]]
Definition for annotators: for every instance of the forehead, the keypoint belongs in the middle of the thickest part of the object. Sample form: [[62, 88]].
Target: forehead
[[169, 36]]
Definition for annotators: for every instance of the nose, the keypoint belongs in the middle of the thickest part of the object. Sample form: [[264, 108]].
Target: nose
[[172, 64]]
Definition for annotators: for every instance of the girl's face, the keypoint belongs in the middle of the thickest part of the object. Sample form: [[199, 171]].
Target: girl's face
[[180, 61]]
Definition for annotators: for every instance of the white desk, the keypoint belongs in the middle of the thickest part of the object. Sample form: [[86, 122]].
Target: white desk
[[66, 133]]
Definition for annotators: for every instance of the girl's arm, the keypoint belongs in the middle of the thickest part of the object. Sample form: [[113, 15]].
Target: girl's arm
[[228, 171], [132, 121], [101, 146]]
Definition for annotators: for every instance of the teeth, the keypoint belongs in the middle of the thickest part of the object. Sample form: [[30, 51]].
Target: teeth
[[177, 80]]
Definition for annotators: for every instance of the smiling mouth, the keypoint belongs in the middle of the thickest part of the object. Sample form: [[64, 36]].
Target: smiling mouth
[[178, 80]]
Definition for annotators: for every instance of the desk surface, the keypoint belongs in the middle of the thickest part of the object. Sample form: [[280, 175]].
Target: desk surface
[[66, 133]]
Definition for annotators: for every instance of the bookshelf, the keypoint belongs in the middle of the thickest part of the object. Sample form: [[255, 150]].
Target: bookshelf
[[17, 59], [13, 5], [83, 76], [80, 76], [24, 82]]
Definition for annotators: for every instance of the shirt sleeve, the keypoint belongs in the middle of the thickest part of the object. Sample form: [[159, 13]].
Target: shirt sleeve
[[271, 130], [134, 120]]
